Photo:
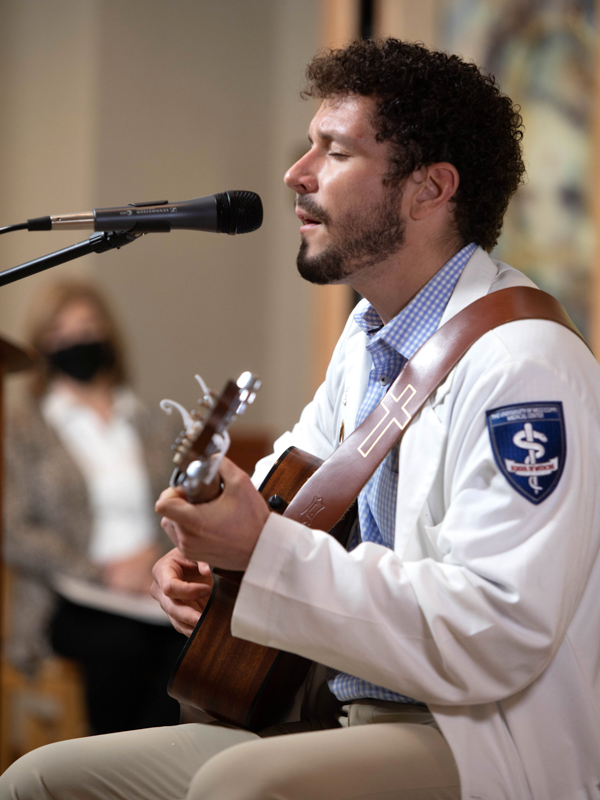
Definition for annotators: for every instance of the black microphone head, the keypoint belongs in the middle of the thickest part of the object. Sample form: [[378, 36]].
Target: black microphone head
[[238, 212]]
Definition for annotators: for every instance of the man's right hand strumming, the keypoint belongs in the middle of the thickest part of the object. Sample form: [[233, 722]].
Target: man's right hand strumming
[[182, 587]]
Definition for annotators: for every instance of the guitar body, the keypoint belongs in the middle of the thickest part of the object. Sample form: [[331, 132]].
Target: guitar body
[[233, 680]]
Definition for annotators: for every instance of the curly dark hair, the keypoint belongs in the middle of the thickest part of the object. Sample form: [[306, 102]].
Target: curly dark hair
[[435, 107]]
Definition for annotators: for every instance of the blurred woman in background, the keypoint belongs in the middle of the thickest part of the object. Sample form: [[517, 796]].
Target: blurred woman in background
[[84, 464]]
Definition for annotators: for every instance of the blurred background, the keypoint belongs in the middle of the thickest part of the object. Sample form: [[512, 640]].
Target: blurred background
[[107, 102]]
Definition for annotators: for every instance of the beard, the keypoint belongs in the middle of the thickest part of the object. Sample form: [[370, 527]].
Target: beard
[[364, 239]]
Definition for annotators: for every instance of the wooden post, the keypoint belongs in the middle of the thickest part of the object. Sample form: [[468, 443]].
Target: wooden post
[[12, 359], [595, 200]]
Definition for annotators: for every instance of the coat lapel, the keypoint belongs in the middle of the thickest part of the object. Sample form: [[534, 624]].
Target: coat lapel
[[356, 379]]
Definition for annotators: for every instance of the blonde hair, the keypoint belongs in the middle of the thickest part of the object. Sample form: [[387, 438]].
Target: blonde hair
[[48, 304]]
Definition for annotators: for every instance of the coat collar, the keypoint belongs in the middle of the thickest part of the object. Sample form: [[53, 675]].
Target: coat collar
[[475, 281]]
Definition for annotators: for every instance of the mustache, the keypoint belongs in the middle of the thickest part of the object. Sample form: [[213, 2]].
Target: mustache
[[313, 209]]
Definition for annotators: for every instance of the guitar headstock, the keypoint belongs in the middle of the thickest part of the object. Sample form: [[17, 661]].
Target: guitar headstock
[[205, 440]]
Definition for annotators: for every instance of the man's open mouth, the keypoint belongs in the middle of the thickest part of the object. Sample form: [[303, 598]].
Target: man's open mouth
[[306, 219]]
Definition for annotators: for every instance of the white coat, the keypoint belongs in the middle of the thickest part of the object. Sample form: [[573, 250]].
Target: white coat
[[488, 608]]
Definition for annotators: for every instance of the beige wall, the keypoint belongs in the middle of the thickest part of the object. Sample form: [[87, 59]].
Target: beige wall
[[414, 20], [105, 102]]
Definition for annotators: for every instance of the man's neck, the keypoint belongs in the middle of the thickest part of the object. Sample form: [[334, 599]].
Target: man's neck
[[391, 285]]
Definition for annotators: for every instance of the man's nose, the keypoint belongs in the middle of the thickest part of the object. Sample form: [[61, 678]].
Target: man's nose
[[300, 177]]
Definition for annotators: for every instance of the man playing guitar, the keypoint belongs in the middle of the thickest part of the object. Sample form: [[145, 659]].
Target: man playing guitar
[[460, 625]]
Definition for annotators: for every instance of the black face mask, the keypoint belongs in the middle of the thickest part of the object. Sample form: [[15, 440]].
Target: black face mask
[[83, 361]]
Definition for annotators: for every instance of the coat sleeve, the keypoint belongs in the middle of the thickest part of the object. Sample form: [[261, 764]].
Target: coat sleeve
[[484, 619], [33, 543]]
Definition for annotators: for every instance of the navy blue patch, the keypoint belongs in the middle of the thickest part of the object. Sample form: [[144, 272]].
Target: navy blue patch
[[530, 446]]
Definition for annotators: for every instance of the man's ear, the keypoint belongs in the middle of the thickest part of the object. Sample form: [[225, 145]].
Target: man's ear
[[433, 187]]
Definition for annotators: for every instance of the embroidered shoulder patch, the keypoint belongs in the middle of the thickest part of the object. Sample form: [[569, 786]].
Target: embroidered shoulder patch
[[530, 447]]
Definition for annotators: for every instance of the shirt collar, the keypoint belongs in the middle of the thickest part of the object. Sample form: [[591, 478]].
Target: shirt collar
[[409, 329]]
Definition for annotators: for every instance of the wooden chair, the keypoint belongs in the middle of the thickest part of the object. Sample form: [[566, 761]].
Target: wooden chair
[[35, 711], [48, 708]]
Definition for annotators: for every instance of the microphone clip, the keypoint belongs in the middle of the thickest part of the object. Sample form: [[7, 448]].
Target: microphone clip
[[100, 241]]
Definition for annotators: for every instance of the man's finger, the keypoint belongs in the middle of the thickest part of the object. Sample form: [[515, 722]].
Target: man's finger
[[169, 528], [180, 627], [182, 581], [178, 510], [168, 498], [184, 590], [184, 614], [230, 471]]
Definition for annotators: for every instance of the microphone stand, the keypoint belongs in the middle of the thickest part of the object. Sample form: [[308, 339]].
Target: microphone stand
[[97, 243]]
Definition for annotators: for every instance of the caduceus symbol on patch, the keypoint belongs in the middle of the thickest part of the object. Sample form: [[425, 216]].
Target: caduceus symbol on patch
[[526, 439]]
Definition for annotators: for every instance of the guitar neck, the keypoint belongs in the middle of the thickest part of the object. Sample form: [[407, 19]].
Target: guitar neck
[[204, 442], [204, 493]]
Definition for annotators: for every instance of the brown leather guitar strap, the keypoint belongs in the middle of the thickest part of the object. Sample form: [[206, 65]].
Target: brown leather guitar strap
[[325, 497]]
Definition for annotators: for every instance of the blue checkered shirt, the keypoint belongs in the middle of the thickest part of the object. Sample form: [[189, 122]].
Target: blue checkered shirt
[[390, 347]]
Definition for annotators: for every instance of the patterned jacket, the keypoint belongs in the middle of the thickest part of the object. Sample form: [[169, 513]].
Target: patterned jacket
[[48, 521]]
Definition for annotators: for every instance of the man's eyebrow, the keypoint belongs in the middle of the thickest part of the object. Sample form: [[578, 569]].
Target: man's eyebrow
[[334, 136]]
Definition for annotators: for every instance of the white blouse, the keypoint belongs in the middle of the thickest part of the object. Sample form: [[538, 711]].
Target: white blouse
[[110, 457]]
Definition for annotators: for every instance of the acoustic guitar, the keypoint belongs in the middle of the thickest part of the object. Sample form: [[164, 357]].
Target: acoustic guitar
[[230, 679]]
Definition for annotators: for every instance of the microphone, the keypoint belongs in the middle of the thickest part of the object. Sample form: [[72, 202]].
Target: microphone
[[226, 212]]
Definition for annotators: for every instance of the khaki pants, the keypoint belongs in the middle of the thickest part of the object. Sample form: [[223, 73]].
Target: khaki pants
[[406, 759]]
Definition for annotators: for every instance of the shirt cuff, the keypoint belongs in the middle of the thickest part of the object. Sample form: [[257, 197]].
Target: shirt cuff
[[253, 608]]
